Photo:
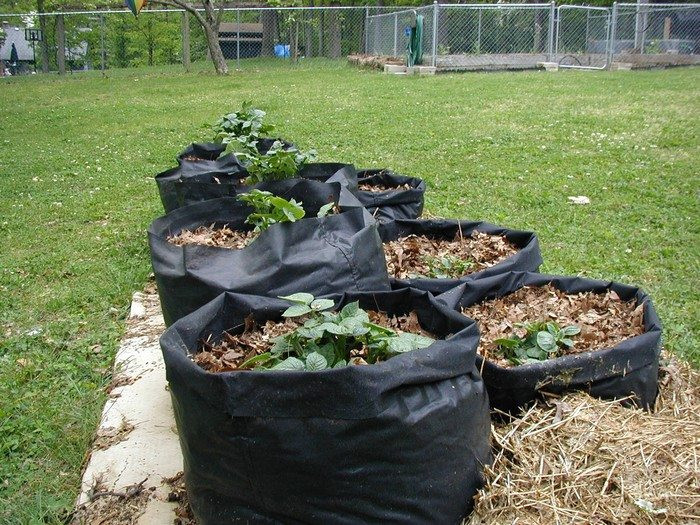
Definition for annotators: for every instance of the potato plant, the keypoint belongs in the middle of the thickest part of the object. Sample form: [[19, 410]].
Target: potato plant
[[278, 163], [241, 129], [542, 340], [327, 339]]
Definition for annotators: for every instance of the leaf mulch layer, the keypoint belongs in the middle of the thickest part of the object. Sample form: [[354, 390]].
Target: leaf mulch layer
[[604, 319], [113, 507], [410, 256], [380, 187], [217, 236], [578, 459], [110, 436], [233, 350], [178, 494]]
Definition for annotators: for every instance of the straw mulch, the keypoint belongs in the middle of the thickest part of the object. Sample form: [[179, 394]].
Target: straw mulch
[[583, 460]]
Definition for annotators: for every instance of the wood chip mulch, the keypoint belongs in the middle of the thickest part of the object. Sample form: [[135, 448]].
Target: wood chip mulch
[[219, 237], [234, 349], [605, 320], [408, 257]]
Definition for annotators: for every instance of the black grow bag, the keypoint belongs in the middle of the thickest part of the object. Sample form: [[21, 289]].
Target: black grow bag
[[402, 441], [336, 253], [628, 369], [218, 176], [394, 203], [528, 257]]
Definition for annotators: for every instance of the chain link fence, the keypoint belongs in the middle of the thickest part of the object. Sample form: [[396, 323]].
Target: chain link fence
[[656, 34], [455, 36]]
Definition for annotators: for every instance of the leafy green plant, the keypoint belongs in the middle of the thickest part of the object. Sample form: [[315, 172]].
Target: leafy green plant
[[270, 209], [241, 129], [542, 341], [277, 164], [447, 266], [328, 339]]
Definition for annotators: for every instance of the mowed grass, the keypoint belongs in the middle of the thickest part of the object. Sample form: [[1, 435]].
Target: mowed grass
[[78, 156]]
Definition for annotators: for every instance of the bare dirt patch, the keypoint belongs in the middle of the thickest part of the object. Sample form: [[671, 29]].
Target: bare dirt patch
[[604, 319], [421, 256]]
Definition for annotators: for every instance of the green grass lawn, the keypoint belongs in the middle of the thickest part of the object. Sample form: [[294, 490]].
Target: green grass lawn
[[78, 156]]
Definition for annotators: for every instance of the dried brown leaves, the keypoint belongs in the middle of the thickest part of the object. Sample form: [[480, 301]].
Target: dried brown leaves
[[583, 460], [381, 187], [178, 494], [409, 256], [220, 237], [233, 350], [605, 320], [111, 507]]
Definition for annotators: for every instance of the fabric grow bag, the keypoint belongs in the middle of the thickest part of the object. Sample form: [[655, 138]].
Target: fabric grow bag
[[338, 252], [528, 257], [402, 441], [628, 369], [392, 204], [215, 176]]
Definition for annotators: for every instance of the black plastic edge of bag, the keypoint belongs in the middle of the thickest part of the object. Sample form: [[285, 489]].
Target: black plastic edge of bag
[[322, 255], [402, 441], [527, 259], [392, 204], [630, 368]]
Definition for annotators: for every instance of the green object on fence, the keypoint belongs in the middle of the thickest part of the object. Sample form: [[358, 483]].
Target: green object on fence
[[415, 43]]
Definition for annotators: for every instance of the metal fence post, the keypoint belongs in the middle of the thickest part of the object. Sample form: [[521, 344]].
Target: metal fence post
[[396, 35], [613, 36], [366, 30], [436, 7], [186, 60], [550, 36], [478, 33], [238, 39], [61, 44], [102, 43]]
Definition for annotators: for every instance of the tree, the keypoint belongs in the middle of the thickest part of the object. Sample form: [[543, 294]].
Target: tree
[[209, 21]]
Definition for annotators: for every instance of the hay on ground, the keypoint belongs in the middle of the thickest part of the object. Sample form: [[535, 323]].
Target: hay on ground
[[584, 460]]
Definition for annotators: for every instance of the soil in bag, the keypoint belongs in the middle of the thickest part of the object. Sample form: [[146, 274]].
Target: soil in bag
[[389, 196], [437, 255], [551, 334], [400, 441], [203, 249]]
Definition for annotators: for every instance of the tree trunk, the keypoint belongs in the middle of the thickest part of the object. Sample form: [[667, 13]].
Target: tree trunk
[[44, 46], [334, 34], [217, 56], [211, 31], [294, 41], [269, 32]]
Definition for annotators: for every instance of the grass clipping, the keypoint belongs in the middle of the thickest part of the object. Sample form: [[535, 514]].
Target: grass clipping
[[584, 460]]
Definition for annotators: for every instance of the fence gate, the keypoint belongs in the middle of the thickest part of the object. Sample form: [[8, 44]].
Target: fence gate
[[582, 37]]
